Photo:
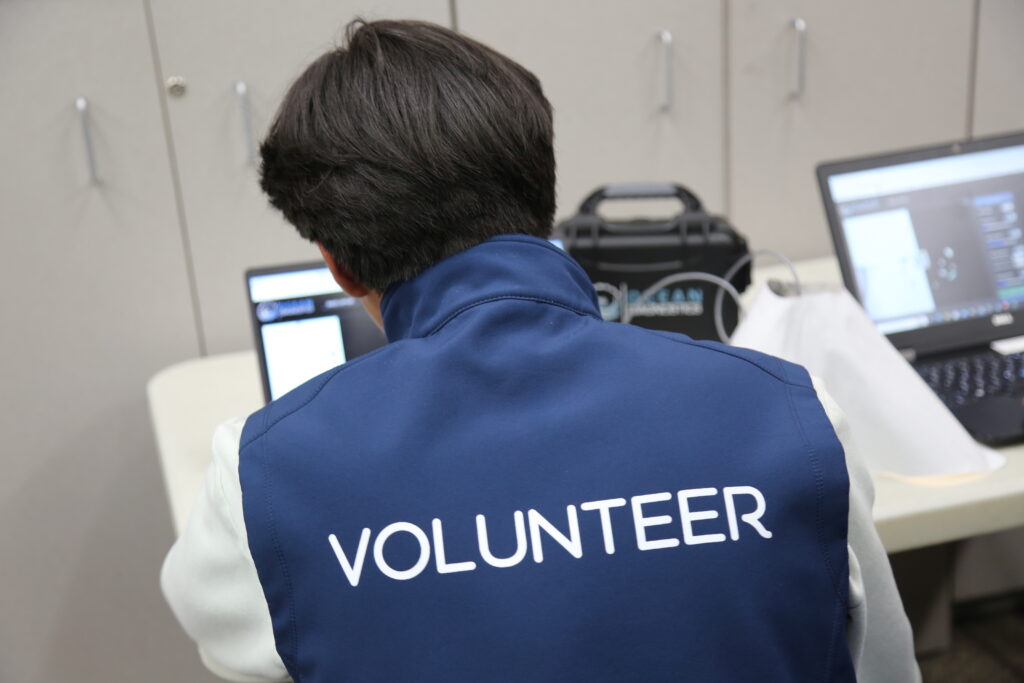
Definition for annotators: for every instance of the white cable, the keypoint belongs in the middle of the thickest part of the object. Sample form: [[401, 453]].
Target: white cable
[[724, 286], [615, 296], [607, 289], [735, 268], [683, 277]]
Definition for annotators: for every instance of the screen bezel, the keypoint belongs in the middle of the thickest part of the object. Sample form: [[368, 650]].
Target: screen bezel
[[945, 336], [256, 325]]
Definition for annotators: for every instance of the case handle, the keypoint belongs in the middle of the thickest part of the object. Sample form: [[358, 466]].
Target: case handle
[[641, 191]]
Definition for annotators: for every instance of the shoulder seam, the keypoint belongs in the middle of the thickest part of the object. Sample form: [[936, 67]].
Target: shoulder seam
[[289, 588], [265, 427], [818, 483], [692, 343], [819, 494]]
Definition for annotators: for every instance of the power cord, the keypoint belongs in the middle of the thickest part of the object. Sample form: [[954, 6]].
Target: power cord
[[724, 286]]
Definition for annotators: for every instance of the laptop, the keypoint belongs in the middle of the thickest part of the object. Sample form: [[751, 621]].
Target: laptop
[[304, 325], [931, 243]]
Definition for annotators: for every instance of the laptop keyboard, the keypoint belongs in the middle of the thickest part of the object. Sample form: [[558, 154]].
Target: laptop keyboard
[[966, 379]]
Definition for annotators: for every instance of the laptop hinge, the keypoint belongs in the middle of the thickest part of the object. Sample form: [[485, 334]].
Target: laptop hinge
[[909, 354]]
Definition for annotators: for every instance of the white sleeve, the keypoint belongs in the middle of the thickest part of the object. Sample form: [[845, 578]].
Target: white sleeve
[[878, 632], [210, 580]]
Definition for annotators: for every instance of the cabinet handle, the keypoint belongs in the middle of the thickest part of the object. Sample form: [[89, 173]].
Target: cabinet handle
[[665, 36], [800, 26], [245, 106], [82, 105]]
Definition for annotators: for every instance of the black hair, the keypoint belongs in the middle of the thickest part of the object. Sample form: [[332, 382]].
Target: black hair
[[407, 145]]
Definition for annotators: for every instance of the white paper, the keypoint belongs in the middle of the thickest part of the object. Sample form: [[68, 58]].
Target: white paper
[[899, 425]]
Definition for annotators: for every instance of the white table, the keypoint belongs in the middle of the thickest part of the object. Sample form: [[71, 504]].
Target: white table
[[188, 400]]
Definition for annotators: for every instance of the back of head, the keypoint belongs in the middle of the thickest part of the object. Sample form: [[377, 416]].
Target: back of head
[[408, 144]]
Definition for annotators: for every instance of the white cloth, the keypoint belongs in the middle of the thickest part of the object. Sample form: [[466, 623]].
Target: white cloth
[[210, 580], [901, 425], [209, 577]]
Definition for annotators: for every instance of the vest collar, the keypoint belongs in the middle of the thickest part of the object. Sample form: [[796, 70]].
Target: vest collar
[[509, 266]]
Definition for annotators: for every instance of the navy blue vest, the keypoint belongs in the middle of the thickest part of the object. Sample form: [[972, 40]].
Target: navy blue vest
[[514, 490]]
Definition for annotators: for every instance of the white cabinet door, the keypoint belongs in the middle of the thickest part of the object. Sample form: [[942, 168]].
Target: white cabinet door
[[609, 77], [94, 299], [264, 44], [999, 87], [881, 75]]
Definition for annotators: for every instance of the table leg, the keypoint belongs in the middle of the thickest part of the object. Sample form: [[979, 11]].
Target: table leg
[[925, 580]]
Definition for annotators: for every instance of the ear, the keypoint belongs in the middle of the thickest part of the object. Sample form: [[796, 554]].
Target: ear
[[342, 276]]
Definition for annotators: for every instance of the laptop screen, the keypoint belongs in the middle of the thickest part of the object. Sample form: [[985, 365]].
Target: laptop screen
[[931, 241], [305, 325]]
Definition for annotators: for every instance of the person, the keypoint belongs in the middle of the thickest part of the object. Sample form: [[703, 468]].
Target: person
[[512, 489]]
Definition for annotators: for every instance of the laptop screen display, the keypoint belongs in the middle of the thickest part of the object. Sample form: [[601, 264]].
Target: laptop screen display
[[935, 241]]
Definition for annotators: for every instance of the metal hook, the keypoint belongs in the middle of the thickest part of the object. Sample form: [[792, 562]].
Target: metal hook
[[666, 44], [801, 58], [242, 90], [82, 105]]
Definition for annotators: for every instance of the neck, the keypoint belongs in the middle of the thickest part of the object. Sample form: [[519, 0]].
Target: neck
[[371, 302]]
